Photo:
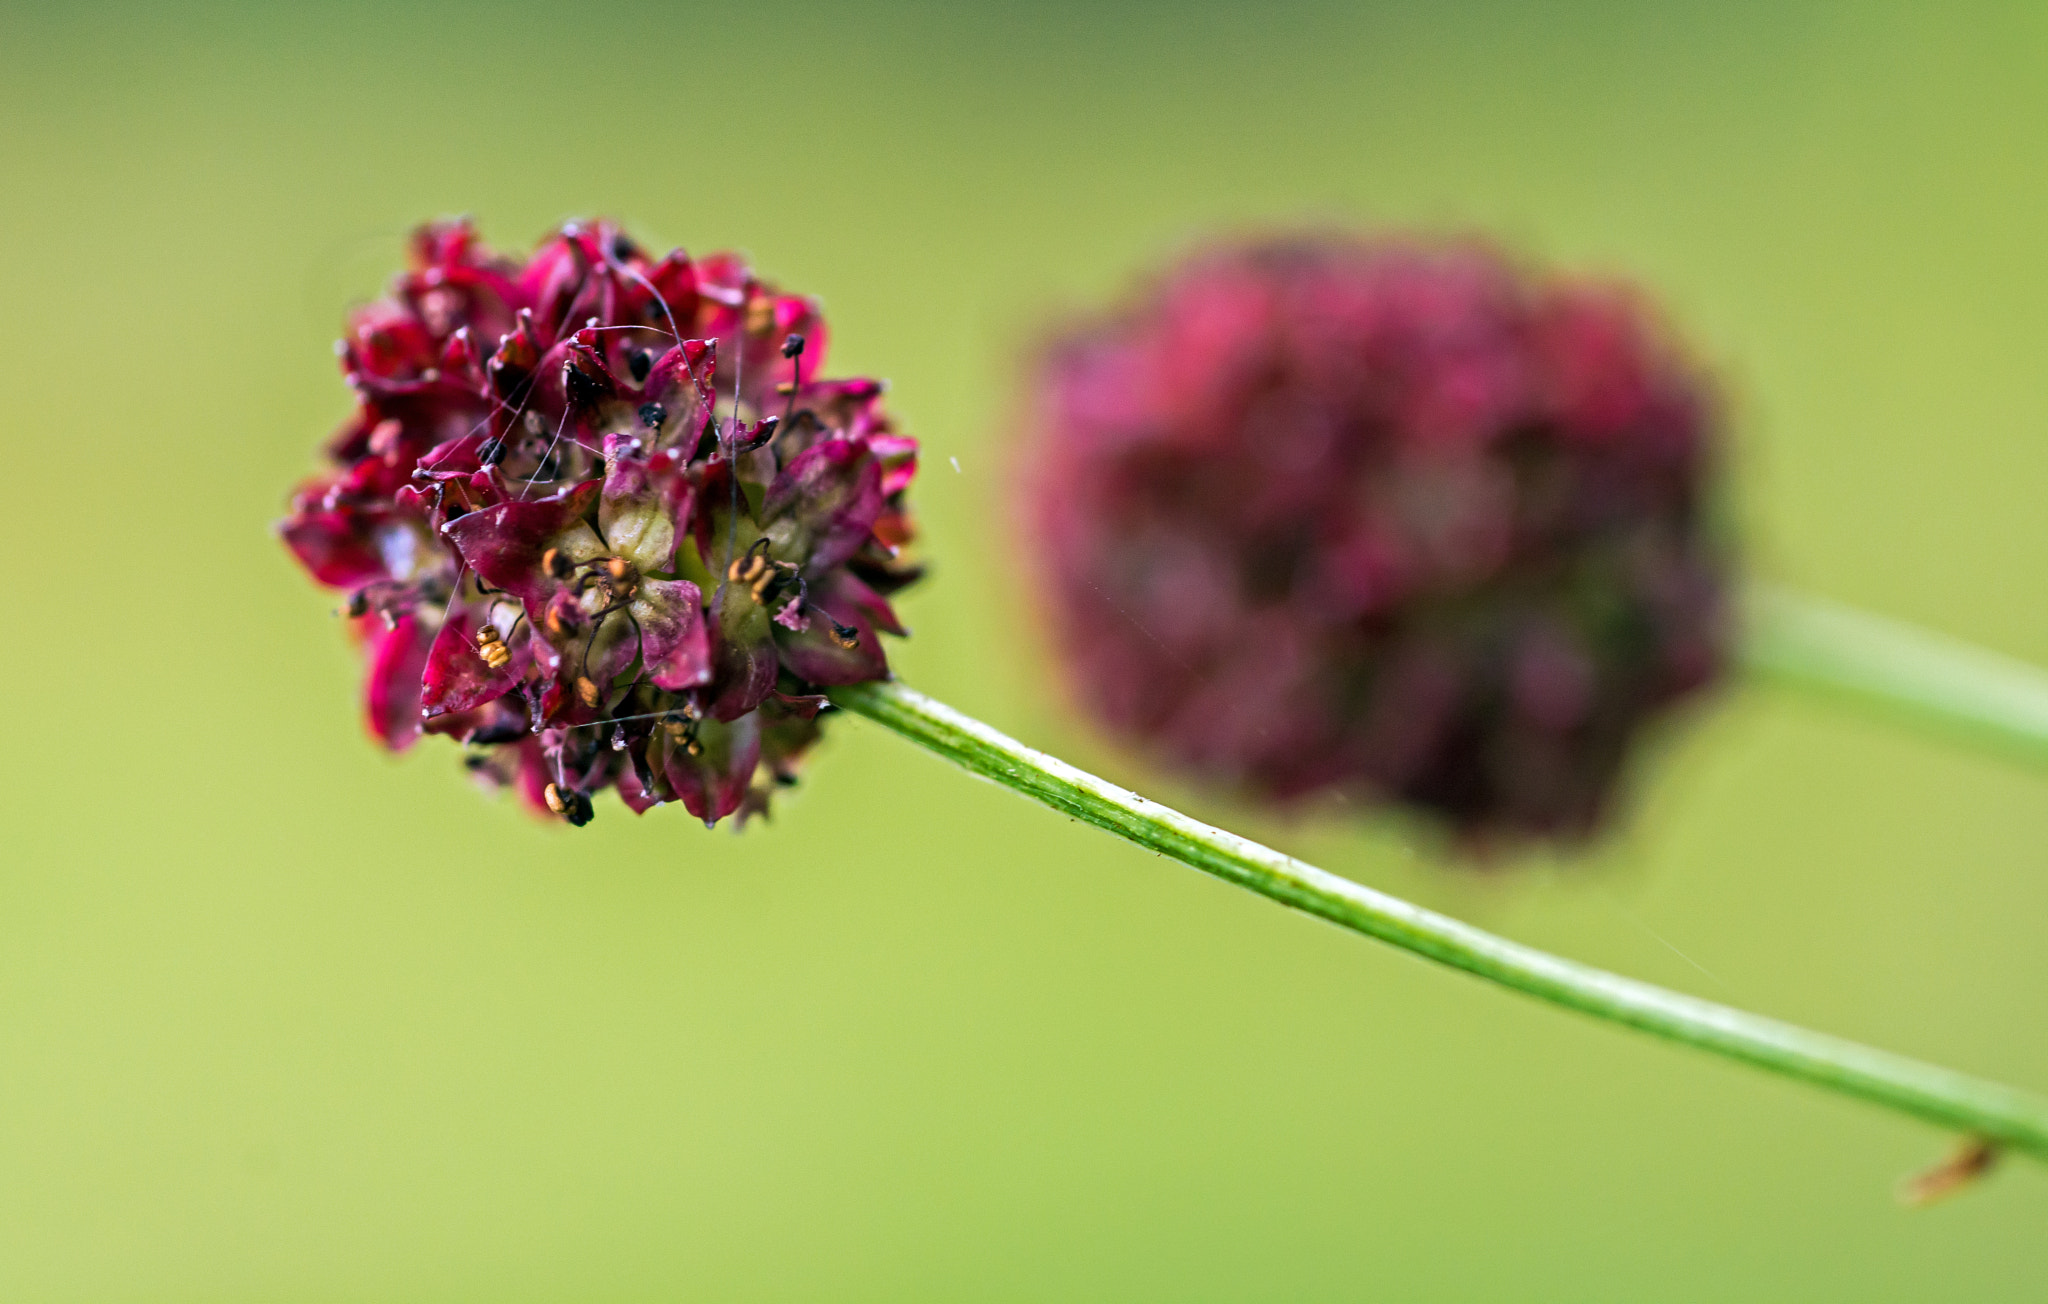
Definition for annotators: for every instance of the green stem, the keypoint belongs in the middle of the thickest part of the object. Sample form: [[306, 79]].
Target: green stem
[[1997, 1113], [1920, 677]]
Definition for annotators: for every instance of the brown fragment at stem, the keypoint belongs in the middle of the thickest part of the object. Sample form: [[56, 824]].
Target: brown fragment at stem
[[1963, 1168]]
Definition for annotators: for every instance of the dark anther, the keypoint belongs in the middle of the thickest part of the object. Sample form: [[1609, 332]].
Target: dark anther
[[652, 415], [618, 738], [622, 248], [846, 635], [556, 564], [358, 604], [583, 389], [570, 804], [639, 362], [492, 452], [793, 349]]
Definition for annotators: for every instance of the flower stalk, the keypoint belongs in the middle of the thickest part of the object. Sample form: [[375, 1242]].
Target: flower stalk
[[1969, 694], [2000, 1115]]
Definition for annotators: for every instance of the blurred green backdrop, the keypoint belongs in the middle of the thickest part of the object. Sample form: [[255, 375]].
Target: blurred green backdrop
[[283, 1019]]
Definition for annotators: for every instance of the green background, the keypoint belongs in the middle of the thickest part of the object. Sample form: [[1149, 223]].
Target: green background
[[281, 1018]]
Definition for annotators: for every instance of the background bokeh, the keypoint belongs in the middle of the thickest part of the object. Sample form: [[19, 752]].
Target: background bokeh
[[282, 1018]]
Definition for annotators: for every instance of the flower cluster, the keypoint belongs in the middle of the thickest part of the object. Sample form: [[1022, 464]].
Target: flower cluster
[[599, 518], [1339, 515]]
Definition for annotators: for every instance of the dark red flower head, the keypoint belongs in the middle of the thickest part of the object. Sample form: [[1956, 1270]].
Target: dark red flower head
[[599, 517], [1328, 514]]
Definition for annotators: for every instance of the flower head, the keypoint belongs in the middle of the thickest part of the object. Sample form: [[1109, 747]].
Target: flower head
[[599, 518], [1329, 514]]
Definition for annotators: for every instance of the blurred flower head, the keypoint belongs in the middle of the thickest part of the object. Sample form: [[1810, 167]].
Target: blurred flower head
[[1329, 514], [599, 517]]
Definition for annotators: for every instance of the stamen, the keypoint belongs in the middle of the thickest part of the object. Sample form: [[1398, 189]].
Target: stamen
[[492, 648], [570, 804], [793, 349]]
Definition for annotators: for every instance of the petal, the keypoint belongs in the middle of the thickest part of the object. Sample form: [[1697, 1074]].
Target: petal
[[680, 387], [535, 774], [789, 726], [348, 547], [803, 706], [602, 654], [816, 654], [712, 783], [673, 283], [852, 589], [674, 645], [392, 693], [505, 720], [638, 794], [504, 544], [644, 505], [457, 677], [833, 491], [743, 655], [899, 461]]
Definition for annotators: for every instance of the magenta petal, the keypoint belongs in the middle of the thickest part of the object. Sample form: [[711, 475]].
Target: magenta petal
[[504, 544], [712, 783], [457, 677], [851, 589], [834, 491], [392, 694], [680, 384], [611, 653], [743, 667], [804, 706], [638, 797], [674, 644], [339, 547], [816, 654]]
